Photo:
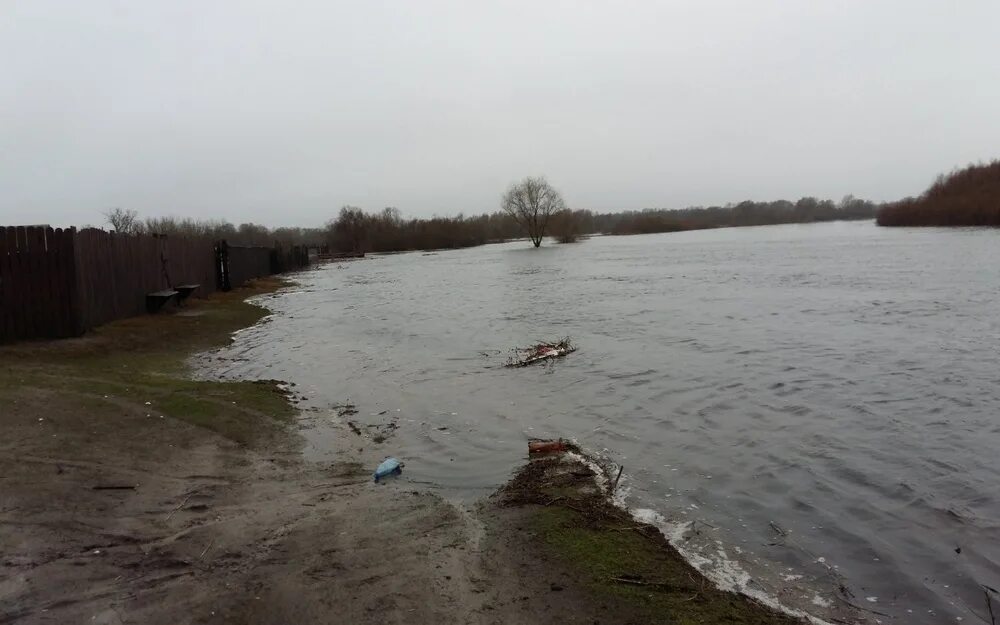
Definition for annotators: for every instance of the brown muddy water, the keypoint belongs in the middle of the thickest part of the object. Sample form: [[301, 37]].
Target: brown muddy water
[[811, 411]]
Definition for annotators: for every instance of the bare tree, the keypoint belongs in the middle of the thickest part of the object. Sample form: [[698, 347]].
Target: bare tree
[[531, 203], [565, 226], [254, 234], [124, 220], [349, 231]]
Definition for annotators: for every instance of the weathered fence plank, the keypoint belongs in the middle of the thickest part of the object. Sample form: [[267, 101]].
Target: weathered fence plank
[[37, 295], [6, 294], [15, 289]]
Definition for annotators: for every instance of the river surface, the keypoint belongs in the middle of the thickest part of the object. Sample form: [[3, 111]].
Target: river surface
[[804, 407]]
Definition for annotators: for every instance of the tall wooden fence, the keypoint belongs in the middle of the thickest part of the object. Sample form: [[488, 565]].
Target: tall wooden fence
[[289, 258], [37, 283], [115, 272], [247, 263], [59, 283]]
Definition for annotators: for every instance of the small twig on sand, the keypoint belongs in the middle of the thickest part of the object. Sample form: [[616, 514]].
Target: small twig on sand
[[639, 582], [113, 487], [552, 501], [204, 551], [627, 528], [614, 486], [179, 506], [336, 484], [989, 606], [703, 578]]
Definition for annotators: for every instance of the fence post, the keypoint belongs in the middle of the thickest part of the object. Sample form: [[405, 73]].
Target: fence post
[[222, 266], [71, 251], [7, 332]]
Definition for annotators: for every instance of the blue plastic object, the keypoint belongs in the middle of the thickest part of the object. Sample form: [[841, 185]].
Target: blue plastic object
[[389, 466]]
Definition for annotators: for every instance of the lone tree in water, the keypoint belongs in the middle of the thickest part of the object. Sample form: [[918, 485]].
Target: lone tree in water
[[531, 203]]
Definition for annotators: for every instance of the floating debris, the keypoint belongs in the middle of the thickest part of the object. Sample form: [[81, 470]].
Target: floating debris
[[389, 466], [345, 410], [540, 352], [539, 446]]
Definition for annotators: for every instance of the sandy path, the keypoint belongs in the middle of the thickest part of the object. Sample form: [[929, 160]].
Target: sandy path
[[213, 532]]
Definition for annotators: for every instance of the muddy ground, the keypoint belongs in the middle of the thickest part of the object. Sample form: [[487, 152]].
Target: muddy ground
[[189, 527], [131, 494]]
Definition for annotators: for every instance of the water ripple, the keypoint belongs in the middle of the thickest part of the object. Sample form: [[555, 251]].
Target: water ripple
[[838, 380]]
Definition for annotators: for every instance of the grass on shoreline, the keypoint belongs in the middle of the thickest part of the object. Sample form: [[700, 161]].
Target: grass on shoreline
[[144, 359], [618, 557]]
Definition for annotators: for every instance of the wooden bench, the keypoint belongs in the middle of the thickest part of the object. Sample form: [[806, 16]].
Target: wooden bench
[[184, 291], [155, 301]]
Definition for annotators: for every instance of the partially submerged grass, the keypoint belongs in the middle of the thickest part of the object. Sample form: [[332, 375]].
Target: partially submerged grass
[[618, 557], [144, 359]]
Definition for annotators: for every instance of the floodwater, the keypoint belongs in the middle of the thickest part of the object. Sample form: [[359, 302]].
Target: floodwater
[[816, 405]]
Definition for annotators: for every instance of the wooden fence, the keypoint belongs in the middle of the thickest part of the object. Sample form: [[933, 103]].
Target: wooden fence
[[247, 263], [238, 265], [115, 272], [37, 283], [289, 259], [60, 283]]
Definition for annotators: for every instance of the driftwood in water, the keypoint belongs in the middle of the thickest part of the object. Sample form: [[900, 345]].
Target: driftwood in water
[[540, 352]]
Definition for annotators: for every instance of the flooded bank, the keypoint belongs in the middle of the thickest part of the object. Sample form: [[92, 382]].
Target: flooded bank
[[812, 407]]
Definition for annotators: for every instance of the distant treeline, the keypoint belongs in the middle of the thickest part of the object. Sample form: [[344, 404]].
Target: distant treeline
[[965, 197], [806, 210], [249, 234], [356, 230]]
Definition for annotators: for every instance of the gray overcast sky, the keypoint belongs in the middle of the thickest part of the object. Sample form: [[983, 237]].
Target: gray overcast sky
[[280, 112]]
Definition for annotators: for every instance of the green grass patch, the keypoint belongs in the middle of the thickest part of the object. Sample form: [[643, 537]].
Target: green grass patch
[[619, 558], [145, 359]]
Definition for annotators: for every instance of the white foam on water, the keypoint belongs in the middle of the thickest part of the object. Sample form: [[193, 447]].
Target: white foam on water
[[264, 319], [725, 572], [599, 475], [821, 602]]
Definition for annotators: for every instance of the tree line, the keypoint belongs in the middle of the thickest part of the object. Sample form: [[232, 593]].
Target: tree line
[[964, 197], [532, 208], [354, 229], [128, 221], [747, 213]]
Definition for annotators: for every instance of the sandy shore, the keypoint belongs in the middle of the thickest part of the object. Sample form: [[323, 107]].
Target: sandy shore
[[191, 527], [131, 494]]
